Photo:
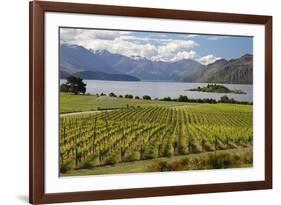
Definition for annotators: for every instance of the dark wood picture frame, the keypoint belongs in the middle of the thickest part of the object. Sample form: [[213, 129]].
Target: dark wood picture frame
[[37, 193]]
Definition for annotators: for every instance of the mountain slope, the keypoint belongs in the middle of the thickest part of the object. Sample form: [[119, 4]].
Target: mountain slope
[[75, 58], [97, 75], [235, 71]]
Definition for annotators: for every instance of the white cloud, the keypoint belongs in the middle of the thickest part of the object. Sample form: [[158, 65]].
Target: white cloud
[[184, 55], [175, 50], [125, 43], [122, 47], [205, 60], [191, 36], [215, 38], [177, 45]]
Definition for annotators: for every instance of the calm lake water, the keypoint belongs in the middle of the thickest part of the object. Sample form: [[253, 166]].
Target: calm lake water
[[163, 89]]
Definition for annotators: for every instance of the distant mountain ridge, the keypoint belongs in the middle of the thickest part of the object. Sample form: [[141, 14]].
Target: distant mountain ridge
[[98, 75], [234, 71], [103, 65], [74, 58]]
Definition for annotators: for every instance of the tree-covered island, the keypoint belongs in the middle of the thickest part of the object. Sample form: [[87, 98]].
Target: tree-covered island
[[214, 88]]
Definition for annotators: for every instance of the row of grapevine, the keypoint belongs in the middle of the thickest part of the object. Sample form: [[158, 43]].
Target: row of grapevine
[[129, 134]]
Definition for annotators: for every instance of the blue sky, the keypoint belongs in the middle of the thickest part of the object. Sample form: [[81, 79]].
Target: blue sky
[[228, 48], [159, 46]]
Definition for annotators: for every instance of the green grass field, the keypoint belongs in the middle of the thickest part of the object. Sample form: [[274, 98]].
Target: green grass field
[[79, 103], [133, 135]]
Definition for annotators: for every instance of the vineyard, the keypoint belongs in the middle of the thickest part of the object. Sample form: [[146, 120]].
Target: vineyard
[[140, 133]]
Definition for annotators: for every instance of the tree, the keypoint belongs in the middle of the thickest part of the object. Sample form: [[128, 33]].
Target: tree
[[224, 99], [73, 85], [166, 99], [183, 98], [146, 97], [112, 95], [129, 96]]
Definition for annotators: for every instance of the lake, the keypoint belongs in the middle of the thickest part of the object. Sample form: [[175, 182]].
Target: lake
[[159, 89]]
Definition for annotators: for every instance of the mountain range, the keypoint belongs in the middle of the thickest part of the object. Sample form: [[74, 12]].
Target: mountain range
[[103, 65]]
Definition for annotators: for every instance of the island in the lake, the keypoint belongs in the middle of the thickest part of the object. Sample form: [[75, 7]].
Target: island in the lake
[[214, 88]]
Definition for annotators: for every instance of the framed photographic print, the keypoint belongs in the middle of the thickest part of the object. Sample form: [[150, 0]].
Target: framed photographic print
[[139, 102]]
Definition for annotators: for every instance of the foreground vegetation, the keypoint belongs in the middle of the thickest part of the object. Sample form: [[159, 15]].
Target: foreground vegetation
[[147, 130], [222, 159]]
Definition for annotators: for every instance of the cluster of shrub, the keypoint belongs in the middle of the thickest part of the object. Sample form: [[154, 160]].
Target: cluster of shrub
[[223, 99], [129, 96], [182, 98], [209, 161]]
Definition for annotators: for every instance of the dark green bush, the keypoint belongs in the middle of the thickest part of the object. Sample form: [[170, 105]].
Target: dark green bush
[[168, 150], [150, 153], [111, 160], [87, 165], [209, 147], [112, 95], [146, 97], [213, 160], [195, 147], [65, 167], [129, 96], [133, 156]]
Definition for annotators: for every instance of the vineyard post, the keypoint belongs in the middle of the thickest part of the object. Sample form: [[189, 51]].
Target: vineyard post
[[61, 156], [159, 150], [64, 132], [216, 144], [94, 134], [141, 150], [203, 144], [190, 144], [76, 150], [100, 156]]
